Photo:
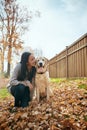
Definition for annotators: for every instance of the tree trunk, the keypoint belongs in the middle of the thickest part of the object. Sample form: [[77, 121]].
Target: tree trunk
[[9, 61], [2, 67], [8, 69], [1, 62]]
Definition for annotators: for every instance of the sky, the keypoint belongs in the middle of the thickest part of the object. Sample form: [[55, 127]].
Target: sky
[[61, 23]]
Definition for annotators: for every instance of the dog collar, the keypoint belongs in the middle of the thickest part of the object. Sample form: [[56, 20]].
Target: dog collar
[[41, 72]]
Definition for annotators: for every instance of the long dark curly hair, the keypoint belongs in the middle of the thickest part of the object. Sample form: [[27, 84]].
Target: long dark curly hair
[[24, 71]]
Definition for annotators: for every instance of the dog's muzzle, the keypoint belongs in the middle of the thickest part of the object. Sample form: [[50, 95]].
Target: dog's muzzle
[[40, 64]]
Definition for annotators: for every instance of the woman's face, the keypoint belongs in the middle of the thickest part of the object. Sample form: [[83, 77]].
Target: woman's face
[[31, 61]]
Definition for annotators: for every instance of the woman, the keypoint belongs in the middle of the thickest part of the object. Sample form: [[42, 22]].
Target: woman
[[22, 80]]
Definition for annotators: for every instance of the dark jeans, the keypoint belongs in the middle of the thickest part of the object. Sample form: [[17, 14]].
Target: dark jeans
[[21, 94]]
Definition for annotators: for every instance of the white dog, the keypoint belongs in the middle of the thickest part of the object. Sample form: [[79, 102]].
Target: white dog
[[42, 79]]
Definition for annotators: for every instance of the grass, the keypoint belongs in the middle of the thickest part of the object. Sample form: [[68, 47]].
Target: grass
[[57, 80], [85, 118], [4, 93], [83, 86]]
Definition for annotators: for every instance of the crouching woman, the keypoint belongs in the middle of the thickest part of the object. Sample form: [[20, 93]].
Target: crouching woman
[[22, 81]]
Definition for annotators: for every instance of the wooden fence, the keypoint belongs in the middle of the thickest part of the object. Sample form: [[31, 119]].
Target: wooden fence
[[71, 62]]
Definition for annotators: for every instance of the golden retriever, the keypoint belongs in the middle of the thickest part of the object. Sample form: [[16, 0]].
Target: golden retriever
[[42, 79]]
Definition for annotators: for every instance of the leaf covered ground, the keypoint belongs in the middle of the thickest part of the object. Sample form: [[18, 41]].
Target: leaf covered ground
[[66, 110]]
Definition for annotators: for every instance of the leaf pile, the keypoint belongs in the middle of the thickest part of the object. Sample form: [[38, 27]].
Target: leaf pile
[[66, 110]]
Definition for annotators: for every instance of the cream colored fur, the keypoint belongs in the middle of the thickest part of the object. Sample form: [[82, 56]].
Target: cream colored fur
[[42, 80]]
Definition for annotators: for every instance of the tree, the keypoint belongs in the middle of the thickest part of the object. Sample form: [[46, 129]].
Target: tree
[[2, 43], [14, 22]]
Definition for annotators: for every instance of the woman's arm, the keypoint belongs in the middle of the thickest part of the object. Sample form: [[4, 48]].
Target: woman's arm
[[13, 80], [33, 82]]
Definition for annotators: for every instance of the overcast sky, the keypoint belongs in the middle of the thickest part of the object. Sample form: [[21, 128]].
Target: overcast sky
[[60, 24]]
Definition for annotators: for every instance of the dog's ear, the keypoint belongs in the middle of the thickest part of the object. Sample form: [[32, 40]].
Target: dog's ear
[[36, 59], [46, 60]]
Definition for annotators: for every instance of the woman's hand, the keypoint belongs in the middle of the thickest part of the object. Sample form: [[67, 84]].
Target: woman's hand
[[29, 85]]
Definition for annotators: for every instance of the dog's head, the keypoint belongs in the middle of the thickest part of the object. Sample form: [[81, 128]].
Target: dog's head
[[41, 65]]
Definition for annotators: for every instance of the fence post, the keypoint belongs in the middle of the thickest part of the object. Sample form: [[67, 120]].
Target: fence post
[[66, 61]]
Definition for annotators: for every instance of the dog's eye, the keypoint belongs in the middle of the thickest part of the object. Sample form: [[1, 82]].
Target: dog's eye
[[42, 59]]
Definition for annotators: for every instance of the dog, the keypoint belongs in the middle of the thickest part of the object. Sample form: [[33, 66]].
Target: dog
[[42, 79]]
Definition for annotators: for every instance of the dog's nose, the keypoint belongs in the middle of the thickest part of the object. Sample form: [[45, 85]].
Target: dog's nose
[[40, 64]]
